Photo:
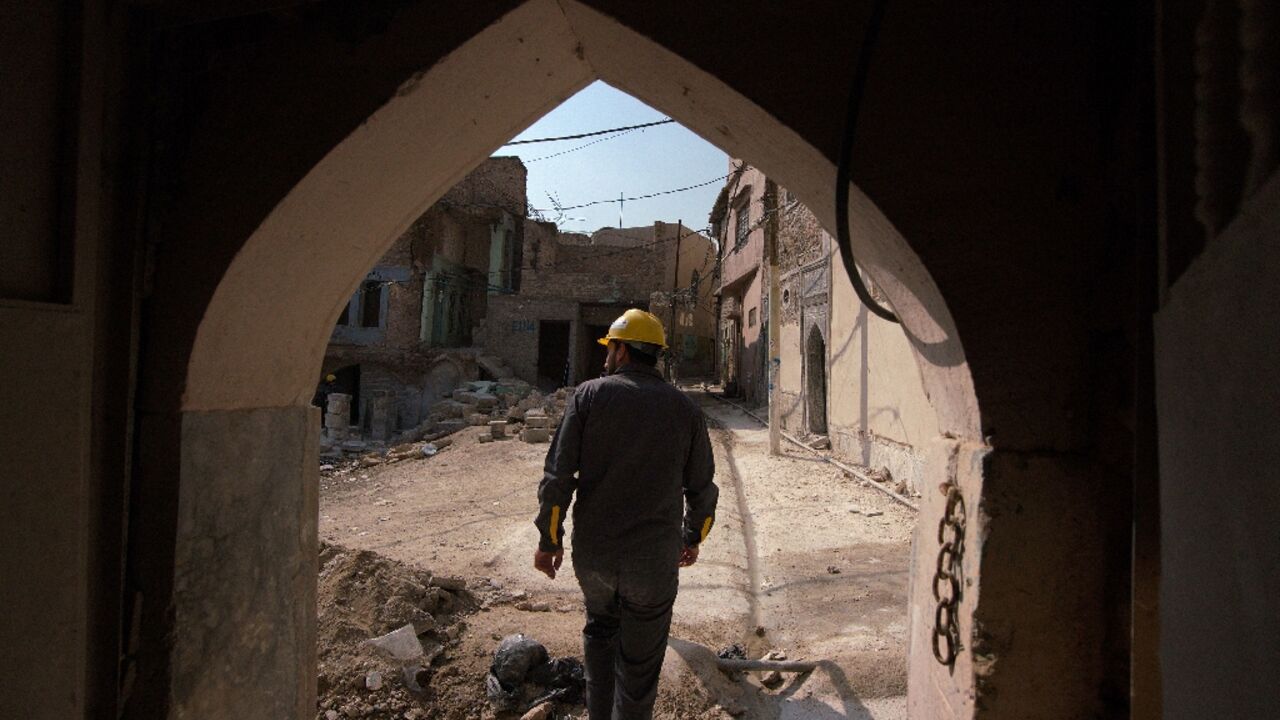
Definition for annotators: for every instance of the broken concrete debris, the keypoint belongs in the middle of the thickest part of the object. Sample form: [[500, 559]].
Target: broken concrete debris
[[535, 435], [541, 712], [399, 644]]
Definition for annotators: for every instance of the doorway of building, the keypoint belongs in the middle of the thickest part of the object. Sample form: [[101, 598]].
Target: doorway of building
[[595, 352], [815, 367], [553, 353]]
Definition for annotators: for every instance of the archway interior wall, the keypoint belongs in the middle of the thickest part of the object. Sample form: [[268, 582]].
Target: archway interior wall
[[259, 347]]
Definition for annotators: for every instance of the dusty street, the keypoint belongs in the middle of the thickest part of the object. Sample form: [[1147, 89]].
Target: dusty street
[[802, 560]]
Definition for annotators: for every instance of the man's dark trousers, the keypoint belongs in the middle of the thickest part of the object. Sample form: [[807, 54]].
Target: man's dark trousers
[[625, 638]]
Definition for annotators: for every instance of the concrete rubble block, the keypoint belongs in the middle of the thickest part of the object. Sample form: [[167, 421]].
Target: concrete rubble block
[[494, 366], [468, 409], [451, 426], [516, 388], [447, 409], [399, 644], [497, 429], [485, 401], [541, 712], [484, 438], [537, 421], [477, 419], [465, 397], [535, 435]]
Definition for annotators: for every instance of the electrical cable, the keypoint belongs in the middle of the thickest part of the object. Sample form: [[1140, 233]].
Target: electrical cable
[[579, 147], [589, 134], [844, 169], [720, 178]]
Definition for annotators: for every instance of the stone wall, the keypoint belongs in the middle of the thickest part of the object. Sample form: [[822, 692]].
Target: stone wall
[[567, 276], [511, 329]]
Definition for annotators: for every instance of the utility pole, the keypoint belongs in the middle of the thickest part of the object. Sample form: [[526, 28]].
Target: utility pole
[[675, 285], [775, 314]]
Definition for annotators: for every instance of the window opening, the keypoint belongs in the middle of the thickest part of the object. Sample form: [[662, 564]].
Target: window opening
[[371, 304], [742, 223]]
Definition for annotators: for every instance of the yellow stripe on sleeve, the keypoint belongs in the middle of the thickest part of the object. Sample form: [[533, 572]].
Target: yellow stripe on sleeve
[[555, 524], [706, 528]]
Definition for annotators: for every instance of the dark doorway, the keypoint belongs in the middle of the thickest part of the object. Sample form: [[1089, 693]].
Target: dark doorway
[[595, 351], [815, 361], [553, 353]]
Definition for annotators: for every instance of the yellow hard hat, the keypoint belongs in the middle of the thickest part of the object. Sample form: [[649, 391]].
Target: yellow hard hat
[[636, 325], [330, 377]]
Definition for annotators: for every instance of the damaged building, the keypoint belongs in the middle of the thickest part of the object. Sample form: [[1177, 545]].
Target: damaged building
[[477, 289], [404, 340], [843, 372], [574, 285]]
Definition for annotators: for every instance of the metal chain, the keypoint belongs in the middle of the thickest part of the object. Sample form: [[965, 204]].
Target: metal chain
[[948, 575]]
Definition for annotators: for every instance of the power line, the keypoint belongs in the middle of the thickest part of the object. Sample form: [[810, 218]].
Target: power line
[[720, 178], [590, 134], [579, 147]]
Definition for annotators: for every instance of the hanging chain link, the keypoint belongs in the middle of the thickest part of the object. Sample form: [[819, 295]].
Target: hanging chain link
[[948, 576]]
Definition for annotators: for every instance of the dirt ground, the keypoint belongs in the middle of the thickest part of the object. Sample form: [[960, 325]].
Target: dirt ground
[[802, 560]]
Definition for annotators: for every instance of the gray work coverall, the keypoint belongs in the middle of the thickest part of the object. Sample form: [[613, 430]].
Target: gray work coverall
[[636, 452]]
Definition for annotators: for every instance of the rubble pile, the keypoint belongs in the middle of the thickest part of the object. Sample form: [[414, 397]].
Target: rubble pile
[[508, 408], [384, 630]]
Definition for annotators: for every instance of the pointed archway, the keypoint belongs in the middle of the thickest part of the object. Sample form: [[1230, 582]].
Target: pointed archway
[[815, 386], [259, 343]]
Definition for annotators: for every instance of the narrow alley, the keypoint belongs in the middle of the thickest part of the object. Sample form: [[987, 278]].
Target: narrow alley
[[803, 561]]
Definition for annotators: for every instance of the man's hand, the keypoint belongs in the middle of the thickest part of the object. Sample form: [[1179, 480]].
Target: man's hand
[[689, 556], [549, 562]]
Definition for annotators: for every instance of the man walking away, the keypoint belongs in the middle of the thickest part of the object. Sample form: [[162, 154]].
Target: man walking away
[[636, 451]]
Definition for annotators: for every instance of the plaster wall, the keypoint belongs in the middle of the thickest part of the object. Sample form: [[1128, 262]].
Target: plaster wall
[[1217, 381], [790, 377], [44, 421], [738, 261], [66, 415], [879, 414], [32, 109], [751, 376], [697, 256]]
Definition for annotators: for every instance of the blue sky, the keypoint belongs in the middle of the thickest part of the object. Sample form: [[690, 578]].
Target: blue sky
[[636, 163]]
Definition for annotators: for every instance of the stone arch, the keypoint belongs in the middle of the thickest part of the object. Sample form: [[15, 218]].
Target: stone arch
[[279, 296]]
